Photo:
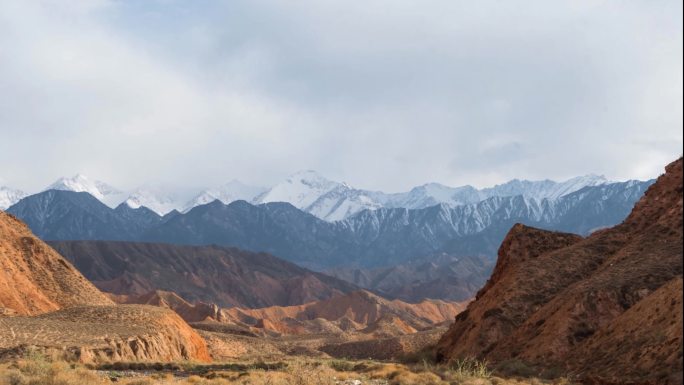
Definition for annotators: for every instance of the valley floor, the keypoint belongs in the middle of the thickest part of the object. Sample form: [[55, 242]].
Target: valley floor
[[38, 370]]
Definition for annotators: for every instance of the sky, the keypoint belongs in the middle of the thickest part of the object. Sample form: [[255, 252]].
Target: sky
[[384, 95]]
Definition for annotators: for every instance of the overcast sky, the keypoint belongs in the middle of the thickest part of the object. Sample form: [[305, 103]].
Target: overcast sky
[[381, 94]]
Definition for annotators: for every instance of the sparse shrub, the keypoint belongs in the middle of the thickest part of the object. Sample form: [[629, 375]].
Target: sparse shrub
[[34, 365], [470, 367]]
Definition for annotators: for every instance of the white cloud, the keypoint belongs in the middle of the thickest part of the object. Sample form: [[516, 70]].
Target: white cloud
[[382, 94]]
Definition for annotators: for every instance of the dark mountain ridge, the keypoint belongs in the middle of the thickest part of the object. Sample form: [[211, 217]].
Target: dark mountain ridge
[[221, 275], [369, 239]]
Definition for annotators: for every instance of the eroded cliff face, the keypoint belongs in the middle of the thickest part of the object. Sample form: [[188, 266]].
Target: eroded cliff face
[[553, 295], [106, 333]]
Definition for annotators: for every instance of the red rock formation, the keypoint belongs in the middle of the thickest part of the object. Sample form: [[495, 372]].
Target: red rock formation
[[35, 279], [553, 295], [46, 303]]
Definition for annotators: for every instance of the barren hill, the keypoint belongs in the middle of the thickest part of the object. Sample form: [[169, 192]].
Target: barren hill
[[105, 333], [221, 275], [34, 278], [557, 301], [360, 311], [46, 303]]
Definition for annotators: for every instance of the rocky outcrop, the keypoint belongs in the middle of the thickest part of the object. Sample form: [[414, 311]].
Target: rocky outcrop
[[34, 278], [558, 301]]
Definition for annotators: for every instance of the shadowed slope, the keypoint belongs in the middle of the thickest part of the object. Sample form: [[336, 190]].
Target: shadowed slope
[[221, 275]]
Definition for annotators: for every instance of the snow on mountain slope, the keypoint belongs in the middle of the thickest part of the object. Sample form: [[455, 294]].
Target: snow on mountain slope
[[328, 200], [324, 198], [155, 199], [333, 201], [432, 194], [229, 192], [343, 201], [10, 196], [81, 183], [545, 189], [301, 189]]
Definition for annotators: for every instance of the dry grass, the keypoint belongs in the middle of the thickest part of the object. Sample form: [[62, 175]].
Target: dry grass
[[36, 369]]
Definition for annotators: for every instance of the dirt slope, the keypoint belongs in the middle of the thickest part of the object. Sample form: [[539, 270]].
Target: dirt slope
[[105, 333], [34, 278], [554, 298]]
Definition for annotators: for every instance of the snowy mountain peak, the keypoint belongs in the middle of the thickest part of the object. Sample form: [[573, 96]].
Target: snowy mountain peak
[[81, 183], [301, 189], [152, 198], [10, 196]]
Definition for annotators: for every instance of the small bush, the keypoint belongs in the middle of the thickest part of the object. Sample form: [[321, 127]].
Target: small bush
[[470, 367]]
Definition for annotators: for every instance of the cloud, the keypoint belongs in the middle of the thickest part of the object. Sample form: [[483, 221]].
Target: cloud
[[381, 94]]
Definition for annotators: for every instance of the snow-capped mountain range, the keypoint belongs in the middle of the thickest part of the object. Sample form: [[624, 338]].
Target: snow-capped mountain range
[[229, 192], [313, 193], [333, 201], [80, 183], [10, 196], [154, 198]]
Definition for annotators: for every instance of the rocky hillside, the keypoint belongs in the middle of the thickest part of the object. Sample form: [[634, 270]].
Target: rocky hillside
[[34, 278], [46, 303], [606, 307], [225, 276]]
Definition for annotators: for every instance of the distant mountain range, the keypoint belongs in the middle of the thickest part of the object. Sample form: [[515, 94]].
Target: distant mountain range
[[369, 238], [310, 192]]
